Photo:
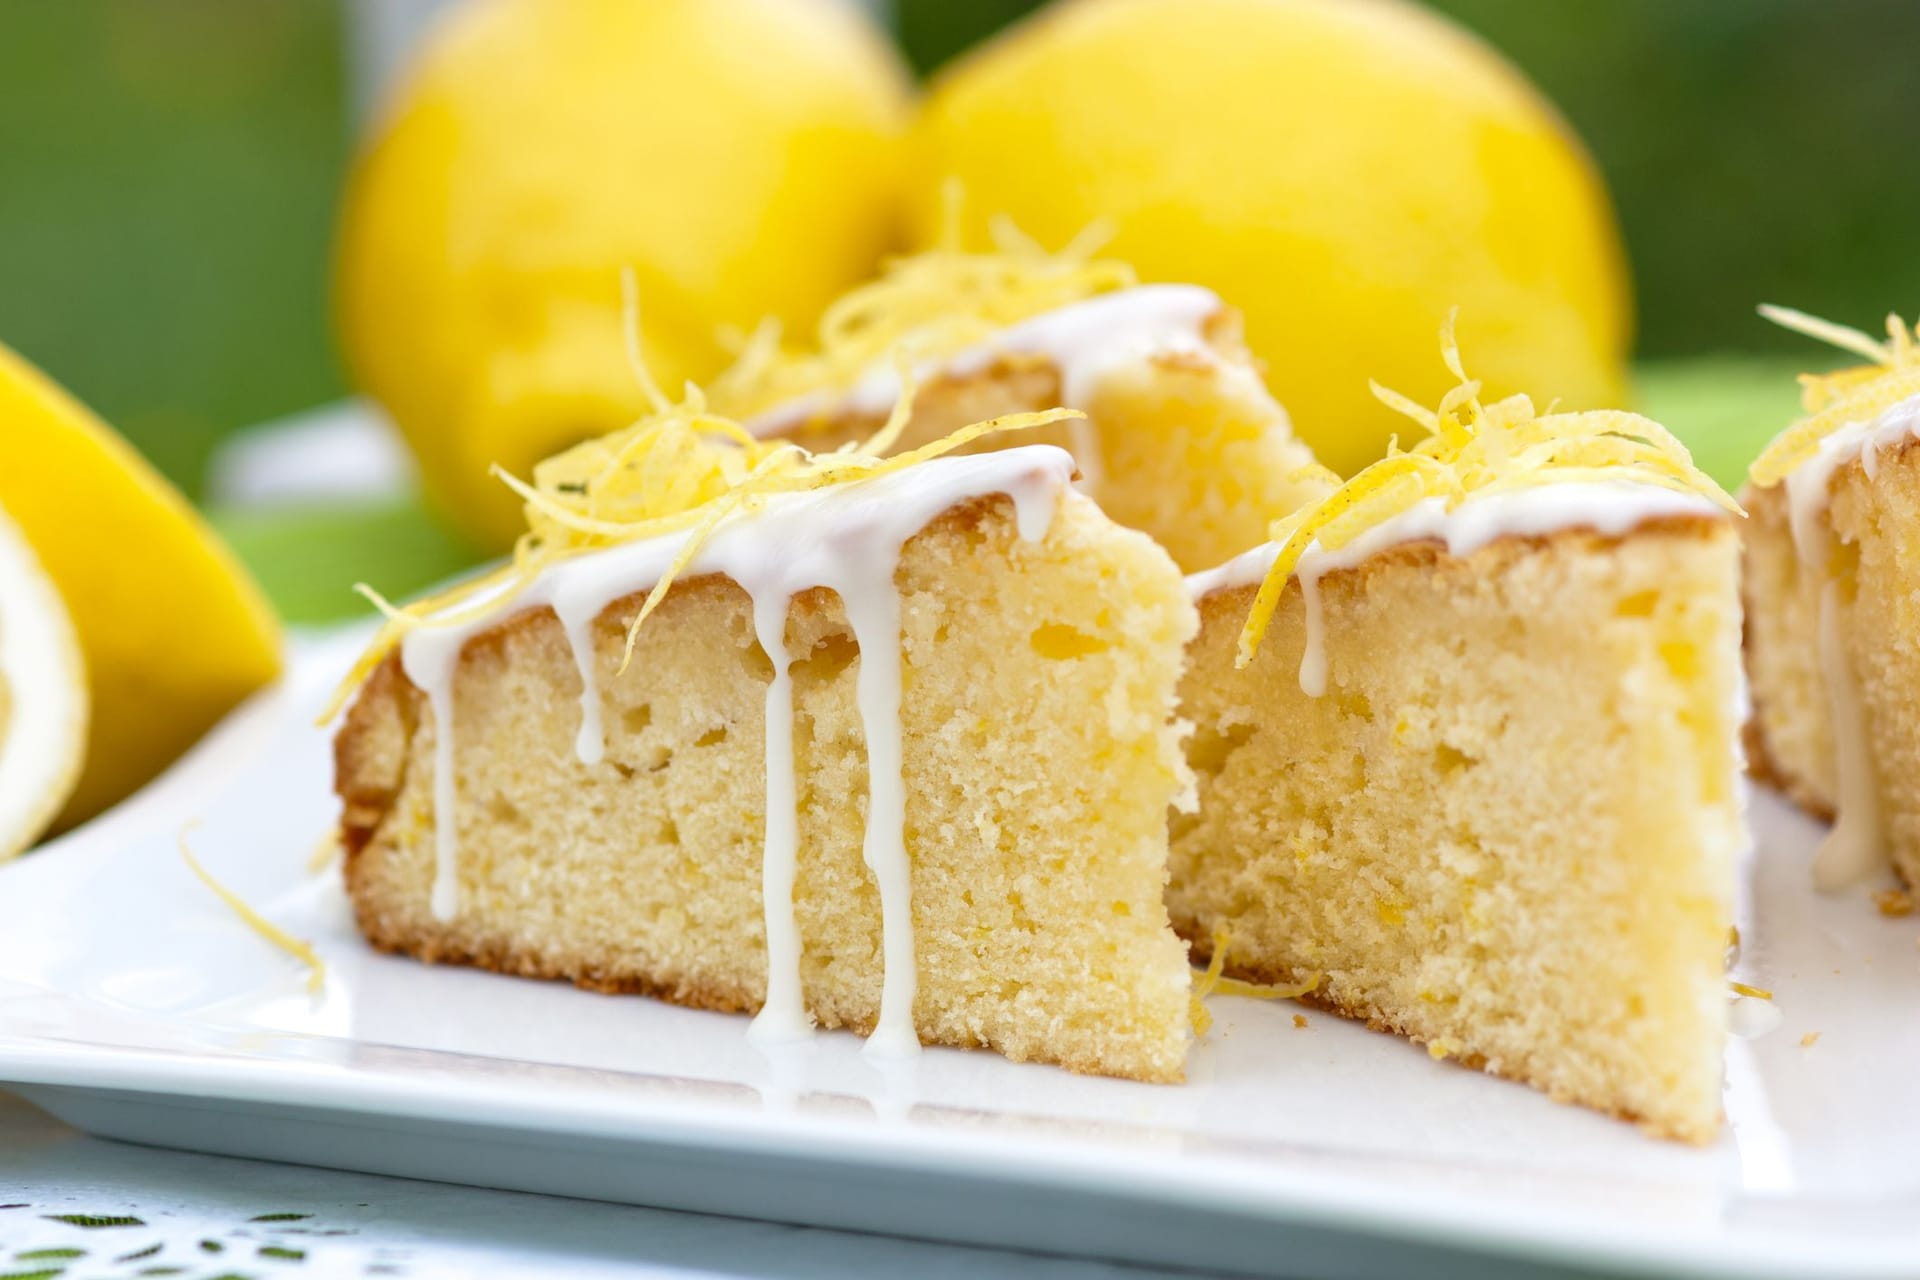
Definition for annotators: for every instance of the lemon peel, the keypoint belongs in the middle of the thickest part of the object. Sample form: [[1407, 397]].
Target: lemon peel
[[1213, 982], [682, 469], [267, 929], [1753, 993], [1474, 448], [927, 306], [1859, 393], [326, 851]]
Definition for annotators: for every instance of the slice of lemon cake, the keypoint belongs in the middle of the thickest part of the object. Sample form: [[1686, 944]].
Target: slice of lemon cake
[[1180, 437], [1833, 640], [1466, 751], [878, 745]]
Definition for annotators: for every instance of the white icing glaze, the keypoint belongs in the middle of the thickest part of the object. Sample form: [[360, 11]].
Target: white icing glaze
[[875, 618], [847, 539], [1609, 508], [1083, 340], [1855, 847], [783, 1016], [1809, 484], [576, 612]]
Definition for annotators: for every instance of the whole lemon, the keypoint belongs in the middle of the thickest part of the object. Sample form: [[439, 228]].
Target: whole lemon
[[1344, 171], [740, 157]]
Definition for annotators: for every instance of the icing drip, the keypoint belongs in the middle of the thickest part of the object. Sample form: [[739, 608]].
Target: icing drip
[[845, 538], [576, 612], [1313, 657], [875, 617], [1083, 340], [1856, 845], [1609, 508], [784, 1014]]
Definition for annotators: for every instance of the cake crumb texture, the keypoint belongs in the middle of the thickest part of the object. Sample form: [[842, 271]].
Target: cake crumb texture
[[1507, 829]]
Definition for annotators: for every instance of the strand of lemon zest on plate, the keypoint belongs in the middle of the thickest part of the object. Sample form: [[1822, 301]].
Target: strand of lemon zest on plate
[[267, 929], [1830, 401], [681, 469], [1474, 448], [1213, 981], [930, 306], [1204, 983], [326, 852], [1757, 993]]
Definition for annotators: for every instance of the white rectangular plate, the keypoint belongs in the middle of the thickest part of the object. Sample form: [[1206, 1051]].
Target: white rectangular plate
[[134, 1005]]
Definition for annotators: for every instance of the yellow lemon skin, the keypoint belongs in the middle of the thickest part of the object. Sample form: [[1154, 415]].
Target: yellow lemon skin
[[742, 157], [172, 629], [1344, 171]]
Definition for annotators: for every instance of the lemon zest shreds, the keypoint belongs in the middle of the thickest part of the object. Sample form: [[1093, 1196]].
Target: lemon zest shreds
[[925, 308], [1856, 394], [267, 929], [683, 470], [326, 852], [1404, 407], [494, 589], [1472, 447], [1756, 993], [1213, 982], [716, 512], [630, 325], [1834, 335], [1269, 990], [1197, 1011]]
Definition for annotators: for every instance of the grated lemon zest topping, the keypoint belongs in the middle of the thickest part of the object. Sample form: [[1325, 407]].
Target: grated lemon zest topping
[[925, 307], [1213, 982], [267, 929], [1474, 448], [1831, 401], [1757, 993], [680, 469]]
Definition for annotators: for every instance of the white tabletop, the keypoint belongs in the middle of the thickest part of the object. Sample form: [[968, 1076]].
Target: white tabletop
[[362, 1226]]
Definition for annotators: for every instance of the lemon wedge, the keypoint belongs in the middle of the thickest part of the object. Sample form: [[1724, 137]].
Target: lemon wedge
[[173, 630], [43, 696]]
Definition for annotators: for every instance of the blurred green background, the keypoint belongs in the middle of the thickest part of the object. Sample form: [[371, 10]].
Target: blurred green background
[[168, 172]]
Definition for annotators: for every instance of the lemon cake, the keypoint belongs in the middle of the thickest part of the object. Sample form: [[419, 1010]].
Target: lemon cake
[[1180, 437], [1833, 646], [886, 746], [1466, 749]]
